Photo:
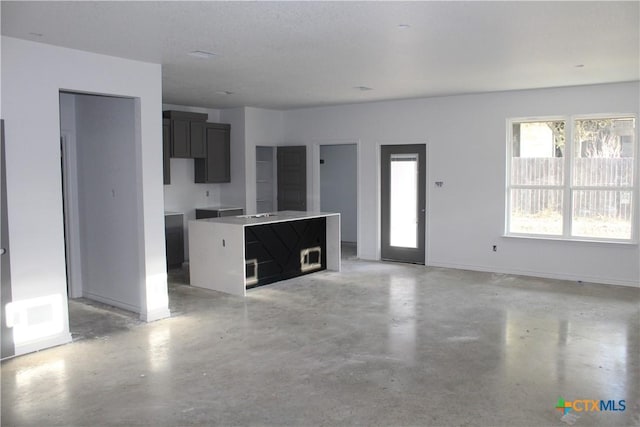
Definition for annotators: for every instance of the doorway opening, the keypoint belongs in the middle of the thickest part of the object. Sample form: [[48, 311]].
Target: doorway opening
[[100, 209], [339, 191], [403, 202]]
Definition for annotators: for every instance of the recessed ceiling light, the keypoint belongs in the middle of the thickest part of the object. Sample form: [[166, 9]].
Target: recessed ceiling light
[[404, 26], [362, 88], [224, 92], [202, 54]]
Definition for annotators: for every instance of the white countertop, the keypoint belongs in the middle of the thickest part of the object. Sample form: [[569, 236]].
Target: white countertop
[[166, 213], [245, 220]]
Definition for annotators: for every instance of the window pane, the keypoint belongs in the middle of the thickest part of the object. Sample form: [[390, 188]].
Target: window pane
[[536, 211], [403, 227], [603, 214], [537, 153], [604, 152]]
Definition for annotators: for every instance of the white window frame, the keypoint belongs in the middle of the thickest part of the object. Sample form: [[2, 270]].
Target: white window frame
[[568, 188]]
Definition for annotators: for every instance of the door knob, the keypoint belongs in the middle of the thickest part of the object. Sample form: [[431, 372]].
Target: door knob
[[2, 251]]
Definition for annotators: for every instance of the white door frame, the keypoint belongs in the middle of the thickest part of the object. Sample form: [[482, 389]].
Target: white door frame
[[409, 141], [71, 214]]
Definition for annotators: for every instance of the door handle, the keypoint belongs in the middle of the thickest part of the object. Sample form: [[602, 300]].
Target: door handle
[[3, 251]]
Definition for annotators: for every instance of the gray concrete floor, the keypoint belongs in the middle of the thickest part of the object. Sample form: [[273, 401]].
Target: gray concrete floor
[[378, 344]]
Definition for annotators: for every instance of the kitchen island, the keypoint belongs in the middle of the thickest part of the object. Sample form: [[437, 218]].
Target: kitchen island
[[232, 254]]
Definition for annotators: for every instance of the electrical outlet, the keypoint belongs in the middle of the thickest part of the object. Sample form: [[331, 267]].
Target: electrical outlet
[[495, 248]]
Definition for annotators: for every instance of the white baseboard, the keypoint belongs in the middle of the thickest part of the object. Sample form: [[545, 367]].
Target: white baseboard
[[146, 316], [53, 341], [541, 274], [153, 315], [109, 301]]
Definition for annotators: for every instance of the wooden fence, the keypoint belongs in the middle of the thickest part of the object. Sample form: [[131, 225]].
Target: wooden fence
[[587, 172]]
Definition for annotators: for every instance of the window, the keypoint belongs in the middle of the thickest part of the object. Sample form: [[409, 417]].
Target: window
[[572, 178], [403, 206]]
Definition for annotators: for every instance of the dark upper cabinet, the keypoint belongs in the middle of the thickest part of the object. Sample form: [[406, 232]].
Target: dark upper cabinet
[[216, 166], [197, 137], [189, 136], [166, 151], [187, 133], [180, 138]]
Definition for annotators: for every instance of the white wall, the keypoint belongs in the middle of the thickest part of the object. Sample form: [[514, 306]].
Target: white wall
[[465, 137], [32, 76], [106, 164], [183, 194], [338, 186]]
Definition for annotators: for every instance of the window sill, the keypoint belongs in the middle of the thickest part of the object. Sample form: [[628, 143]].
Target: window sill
[[572, 240]]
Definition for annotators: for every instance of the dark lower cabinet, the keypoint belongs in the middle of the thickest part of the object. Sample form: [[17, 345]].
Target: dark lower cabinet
[[216, 166], [283, 250], [174, 240], [202, 213]]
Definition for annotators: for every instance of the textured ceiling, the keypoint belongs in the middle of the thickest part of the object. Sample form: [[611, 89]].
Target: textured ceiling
[[296, 54]]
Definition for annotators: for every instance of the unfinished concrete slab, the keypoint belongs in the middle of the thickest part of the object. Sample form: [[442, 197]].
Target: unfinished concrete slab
[[377, 344]]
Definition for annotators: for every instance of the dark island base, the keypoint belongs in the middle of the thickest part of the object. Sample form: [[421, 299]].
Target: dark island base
[[284, 250]]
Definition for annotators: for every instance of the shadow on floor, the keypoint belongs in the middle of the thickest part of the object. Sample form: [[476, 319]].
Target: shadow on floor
[[90, 319]]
